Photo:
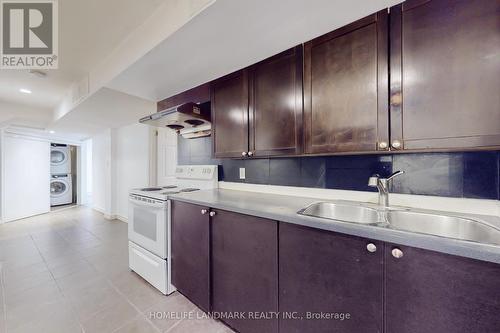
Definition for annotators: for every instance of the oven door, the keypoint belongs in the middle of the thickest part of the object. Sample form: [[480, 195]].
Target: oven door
[[147, 224]]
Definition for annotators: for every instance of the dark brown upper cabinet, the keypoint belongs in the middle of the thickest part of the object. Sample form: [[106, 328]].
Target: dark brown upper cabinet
[[445, 74], [346, 88], [258, 111], [276, 105], [230, 114]]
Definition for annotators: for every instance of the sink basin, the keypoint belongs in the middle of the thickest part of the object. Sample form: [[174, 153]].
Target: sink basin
[[443, 225], [342, 212], [423, 222]]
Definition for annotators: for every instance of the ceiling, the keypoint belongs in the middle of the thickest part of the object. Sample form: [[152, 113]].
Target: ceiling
[[105, 109], [232, 34], [24, 115], [88, 31]]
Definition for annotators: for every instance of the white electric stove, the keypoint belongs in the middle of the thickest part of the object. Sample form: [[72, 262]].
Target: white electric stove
[[149, 223]]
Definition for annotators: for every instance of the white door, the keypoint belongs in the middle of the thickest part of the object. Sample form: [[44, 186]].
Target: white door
[[166, 156], [25, 177]]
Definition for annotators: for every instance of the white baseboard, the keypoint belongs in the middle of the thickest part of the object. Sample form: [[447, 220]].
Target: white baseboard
[[122, 218], [110, 216], [457, 205], [105, 214], [22, 217], [97, 209]]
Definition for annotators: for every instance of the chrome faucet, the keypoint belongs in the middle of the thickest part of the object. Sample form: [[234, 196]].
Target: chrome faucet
[[382, 184]]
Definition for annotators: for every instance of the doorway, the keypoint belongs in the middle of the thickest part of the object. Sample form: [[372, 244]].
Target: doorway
[[63, 175]]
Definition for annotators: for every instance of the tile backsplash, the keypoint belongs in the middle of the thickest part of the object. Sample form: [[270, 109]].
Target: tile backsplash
[[468, 174]]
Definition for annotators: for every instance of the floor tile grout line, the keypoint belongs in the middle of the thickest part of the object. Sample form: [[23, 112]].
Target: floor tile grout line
[[36, 236], [133, 305], [93, 234], [67, 297], [173, 326], [79, 227], [110, 283], [176, 323], [59, 288]]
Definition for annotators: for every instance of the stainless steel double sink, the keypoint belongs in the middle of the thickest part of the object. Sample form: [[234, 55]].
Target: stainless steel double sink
[[443, 225]]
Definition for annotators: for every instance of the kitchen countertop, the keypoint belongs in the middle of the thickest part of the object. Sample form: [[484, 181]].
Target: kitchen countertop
[[284, 208]]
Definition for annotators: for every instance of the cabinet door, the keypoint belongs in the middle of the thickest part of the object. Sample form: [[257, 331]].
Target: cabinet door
[[322, 272], [190, 252], [276, 104], [230, 115], [245, 269], [445, 74], [346, 88], [428, 291]]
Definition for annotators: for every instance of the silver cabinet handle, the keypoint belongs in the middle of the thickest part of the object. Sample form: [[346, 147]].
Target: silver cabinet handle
[[371, 247], [397, 253], [244, 153], [212, 214], [396, 144], [204, 211], [250, 153], [383, 145]]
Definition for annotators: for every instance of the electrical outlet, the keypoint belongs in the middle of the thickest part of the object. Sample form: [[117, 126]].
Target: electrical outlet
[[242, 173]]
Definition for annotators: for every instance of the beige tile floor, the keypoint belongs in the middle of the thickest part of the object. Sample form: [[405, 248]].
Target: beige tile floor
[[67, 271]]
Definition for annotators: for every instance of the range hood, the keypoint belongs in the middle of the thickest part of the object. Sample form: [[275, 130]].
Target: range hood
[[190, 120]]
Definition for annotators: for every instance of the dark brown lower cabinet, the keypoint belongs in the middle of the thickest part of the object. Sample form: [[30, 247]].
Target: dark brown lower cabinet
[[245, 270], [281, 277], [428, 291], [322, 273], [191, 252]]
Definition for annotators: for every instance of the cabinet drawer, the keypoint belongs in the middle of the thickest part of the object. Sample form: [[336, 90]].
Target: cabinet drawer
[[152, 268]]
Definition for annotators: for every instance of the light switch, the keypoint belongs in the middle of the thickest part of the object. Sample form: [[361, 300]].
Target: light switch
[[242, 173]]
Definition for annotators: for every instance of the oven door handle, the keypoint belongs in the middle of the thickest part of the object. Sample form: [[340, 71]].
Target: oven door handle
[[147, 204]]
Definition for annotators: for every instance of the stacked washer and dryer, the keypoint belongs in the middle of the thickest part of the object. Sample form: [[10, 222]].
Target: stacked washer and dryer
[[61, 187]]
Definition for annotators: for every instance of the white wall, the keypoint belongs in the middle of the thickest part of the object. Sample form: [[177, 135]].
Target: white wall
[[132, 163], [101, 172], [88, 161], [25, 177], [120, 161], [84, 172]]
